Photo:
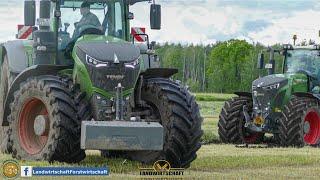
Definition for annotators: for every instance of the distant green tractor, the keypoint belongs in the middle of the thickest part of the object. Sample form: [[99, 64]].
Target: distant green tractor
[[285, 105], [92, 87]]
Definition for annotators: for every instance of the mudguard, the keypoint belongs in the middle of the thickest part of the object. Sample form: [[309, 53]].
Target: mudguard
[[17, 56], [33, 71], [159, 72], [245, 94], [307, 94]]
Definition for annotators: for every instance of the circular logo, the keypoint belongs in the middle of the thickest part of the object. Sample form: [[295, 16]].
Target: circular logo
[[10, 169], [161, 165]]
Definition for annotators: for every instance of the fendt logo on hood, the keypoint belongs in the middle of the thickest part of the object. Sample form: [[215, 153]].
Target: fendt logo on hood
[[116, 60], [115, 77]]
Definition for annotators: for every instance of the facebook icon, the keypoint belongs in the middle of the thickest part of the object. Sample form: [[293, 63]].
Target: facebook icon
[[26, 171]]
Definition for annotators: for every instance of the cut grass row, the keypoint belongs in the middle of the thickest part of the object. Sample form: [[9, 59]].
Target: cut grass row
[[222, 161], [213, 96]]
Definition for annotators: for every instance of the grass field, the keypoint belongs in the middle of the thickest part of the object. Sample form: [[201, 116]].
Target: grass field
[[220, 161]]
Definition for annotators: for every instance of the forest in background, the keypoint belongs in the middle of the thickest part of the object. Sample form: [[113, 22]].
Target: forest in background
[[224, 67]]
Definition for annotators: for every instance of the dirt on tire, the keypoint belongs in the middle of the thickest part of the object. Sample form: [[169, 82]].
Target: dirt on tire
[[180, 117], [291, 128], [231, 123], [7, 78], [63, 139]]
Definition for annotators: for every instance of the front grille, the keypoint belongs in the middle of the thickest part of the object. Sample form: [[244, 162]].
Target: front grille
[[262, 99], [264, 90], [108, 78]]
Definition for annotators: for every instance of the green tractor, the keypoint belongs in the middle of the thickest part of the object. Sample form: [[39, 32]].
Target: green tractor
[[285, 105], [89, 87]]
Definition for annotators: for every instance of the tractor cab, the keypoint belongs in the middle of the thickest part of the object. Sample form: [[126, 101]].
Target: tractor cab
[[100, 18], [302, 59], [63, 23]]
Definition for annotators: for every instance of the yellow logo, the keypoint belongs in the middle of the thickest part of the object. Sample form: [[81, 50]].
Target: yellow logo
[[161, 169], [161, 165], [10, 169]]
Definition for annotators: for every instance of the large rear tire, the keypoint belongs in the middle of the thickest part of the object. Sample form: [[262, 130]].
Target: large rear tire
[[7, 78], [45, 100], [231, 123], [179, 114], [300, 123]]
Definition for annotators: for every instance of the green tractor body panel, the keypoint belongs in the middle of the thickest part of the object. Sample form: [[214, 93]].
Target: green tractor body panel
[[296, 83]]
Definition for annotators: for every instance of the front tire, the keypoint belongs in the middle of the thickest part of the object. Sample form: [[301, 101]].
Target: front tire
[[180, 117], [46, 101], [300, 123], [231, 123]]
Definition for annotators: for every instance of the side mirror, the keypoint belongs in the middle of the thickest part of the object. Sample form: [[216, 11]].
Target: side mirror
[[29, 13], [155, 16], [261, 61]]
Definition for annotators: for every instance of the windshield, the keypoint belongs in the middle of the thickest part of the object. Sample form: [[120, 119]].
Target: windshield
[[101, 17], [305, 60]]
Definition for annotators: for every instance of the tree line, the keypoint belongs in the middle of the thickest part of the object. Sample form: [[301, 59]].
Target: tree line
[[224, 67]]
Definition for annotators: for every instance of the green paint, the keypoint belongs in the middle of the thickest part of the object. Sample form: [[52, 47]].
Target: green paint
[[66, 72], [81, 76], [296, 83]]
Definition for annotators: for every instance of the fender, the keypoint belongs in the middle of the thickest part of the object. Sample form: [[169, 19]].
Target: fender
[[33, 71], [307, 94], [17, 55], [245, 94], [159, 72], [150, 73]]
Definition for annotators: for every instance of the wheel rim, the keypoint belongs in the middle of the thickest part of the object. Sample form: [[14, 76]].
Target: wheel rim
[[311, 127], [30, 141]]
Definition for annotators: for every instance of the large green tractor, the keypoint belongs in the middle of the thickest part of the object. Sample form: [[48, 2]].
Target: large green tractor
[[285, 105], [90, 87]]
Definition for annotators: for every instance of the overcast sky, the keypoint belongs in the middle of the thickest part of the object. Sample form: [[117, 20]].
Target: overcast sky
[[208, 21]]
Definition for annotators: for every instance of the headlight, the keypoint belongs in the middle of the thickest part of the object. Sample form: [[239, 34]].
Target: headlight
[[93, 62], [132, 64], [273, 86]]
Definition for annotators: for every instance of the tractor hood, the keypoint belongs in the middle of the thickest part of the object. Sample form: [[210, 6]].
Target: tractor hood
[[268, 81], [109, 51], [298, 82]]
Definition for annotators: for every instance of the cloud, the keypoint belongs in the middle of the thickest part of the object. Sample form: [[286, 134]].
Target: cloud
[[276, 6], [208, 21], [256, 25]]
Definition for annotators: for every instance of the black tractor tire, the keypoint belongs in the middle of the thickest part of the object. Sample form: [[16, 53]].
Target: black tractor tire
[[231, 123], [7, 78], [51, 98], [291, 124], [179, 115]]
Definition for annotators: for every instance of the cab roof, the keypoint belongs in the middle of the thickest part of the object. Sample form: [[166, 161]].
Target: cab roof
[[131, 2], [308, 47]]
